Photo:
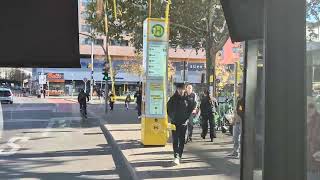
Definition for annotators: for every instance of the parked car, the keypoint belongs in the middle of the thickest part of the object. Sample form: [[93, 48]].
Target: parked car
[[6, 95]]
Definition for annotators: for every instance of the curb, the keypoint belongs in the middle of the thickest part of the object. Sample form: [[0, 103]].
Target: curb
[[126, 171]]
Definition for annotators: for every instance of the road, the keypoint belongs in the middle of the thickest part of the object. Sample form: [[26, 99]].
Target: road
[[46, 139]]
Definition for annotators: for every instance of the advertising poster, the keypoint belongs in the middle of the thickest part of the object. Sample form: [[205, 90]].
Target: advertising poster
[[156, 99]]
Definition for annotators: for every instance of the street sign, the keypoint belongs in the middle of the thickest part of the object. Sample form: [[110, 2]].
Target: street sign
[[155, 56], [85, 80], [42, 79]]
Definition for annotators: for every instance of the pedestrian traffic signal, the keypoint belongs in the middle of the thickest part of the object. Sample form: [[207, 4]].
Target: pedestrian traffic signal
[[105, 73]]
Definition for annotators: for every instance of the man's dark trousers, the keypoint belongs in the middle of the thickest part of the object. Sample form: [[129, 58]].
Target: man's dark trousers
[[84, 107], [178, 137]]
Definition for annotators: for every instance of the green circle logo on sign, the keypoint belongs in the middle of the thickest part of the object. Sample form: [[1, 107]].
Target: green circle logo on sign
[[157, 30]]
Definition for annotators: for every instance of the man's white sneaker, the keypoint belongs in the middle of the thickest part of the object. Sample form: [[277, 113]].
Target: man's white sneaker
[[176, 161]]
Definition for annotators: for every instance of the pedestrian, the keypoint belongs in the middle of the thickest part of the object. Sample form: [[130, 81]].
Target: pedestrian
[[206, 108], [112, 101], [179, 110], [127, 101], [192, 98], [44, 93], [313, 139], [82, 100], [99, 93], [238, 118], [138, 96]]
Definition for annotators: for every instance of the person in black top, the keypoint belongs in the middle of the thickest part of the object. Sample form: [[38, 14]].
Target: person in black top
[[207, 115], [82, 99], [179, 110], [138, 96]]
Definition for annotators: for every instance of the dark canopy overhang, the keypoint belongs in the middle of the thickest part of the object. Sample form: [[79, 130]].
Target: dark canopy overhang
[[244, 19], [39, 33]]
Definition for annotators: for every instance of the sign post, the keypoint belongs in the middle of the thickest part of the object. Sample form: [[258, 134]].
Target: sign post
[[154, 123], [85, 80]]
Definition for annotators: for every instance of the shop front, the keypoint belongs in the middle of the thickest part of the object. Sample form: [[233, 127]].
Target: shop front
[[55, 84]]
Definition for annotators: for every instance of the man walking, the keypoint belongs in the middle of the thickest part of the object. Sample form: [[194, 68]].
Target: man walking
[[206, 108], [82, 99], [192, 98], [138, 96], [179, 110]]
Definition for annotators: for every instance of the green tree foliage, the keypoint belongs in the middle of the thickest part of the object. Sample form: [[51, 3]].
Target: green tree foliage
[[193, 24], [313, 18]]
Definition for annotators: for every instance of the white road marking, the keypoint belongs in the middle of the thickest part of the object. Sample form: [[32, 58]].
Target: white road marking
[[44, 120]]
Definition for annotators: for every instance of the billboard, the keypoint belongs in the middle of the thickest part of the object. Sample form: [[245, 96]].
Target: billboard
[[39, 33]]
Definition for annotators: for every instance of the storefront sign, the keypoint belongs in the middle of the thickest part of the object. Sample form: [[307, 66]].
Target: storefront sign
[[55, 77], [42, 79]]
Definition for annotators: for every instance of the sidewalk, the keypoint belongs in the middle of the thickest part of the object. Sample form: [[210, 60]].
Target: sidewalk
[[202, 159]]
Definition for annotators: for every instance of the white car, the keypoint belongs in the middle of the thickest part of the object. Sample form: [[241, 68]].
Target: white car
[[6, 95]]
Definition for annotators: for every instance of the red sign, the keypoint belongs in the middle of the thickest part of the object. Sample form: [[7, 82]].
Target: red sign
[[55, 77]]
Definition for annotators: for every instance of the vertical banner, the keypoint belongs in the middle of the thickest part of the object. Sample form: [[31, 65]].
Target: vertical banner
[[155, 55]]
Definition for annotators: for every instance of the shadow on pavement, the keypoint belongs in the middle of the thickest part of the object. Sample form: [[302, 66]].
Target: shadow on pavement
[[15, 174], [81, 152], [26, 165], [185, 172]]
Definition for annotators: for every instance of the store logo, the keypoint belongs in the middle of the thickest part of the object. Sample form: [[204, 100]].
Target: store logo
[[157, 30]]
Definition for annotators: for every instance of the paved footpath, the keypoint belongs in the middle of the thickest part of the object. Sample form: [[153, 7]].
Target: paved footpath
[[46, 140], [202, 159]]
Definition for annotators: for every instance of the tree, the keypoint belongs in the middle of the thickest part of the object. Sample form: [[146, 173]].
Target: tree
[[134, 66], [193, 24], [18, 75], [313, 18]]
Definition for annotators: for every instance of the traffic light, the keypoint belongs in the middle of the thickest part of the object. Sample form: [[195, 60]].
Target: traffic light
[[105, 72]]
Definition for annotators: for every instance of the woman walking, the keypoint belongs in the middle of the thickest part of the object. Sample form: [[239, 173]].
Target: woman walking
[[207, 115], [127, 101]]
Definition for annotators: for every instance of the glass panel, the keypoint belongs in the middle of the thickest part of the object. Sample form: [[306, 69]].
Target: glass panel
[[260, 116], [313, 90]]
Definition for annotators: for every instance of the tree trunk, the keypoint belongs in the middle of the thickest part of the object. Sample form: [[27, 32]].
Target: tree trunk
[[210, 68]]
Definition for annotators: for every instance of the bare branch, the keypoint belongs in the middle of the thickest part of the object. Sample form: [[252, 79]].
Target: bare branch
[[185, 27]]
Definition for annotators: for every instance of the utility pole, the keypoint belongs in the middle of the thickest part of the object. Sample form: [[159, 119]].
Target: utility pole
[[235, 84], [92, 70]]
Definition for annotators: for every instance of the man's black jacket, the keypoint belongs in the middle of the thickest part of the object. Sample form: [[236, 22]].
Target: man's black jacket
[[83, 97], [179, 109]]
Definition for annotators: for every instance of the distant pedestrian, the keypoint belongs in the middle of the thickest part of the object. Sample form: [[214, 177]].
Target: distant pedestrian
[[179, 110], [238, 118], [82, 100], [112, 101], [138, 97], [99, 93], [207, 107], [192, 98], [44, 93], [127, 101]]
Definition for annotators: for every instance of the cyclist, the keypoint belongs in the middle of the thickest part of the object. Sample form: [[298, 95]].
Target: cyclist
[[82, 99]]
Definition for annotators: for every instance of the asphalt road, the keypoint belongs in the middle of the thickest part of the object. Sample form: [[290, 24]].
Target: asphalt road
[[46, 139]]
